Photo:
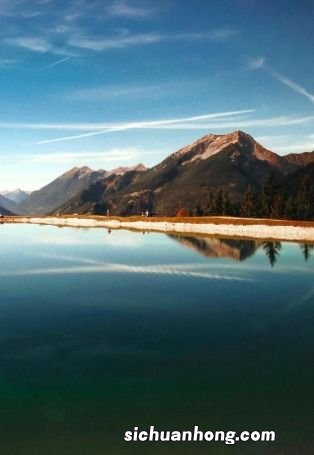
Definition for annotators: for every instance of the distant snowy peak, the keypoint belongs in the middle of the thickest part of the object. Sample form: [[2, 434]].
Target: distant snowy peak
[[17, 195]]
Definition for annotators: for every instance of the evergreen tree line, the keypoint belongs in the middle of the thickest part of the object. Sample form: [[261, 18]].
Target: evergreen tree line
[[272, 251], [271, 202]]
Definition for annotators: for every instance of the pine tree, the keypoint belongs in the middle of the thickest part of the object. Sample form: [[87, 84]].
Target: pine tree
[[289, 208], [212, 203], [307, 249], [227, 208], [267, 196], [303, 200], [277, 206], [219, 203], [272, 250], [247, 205], [199, 211]]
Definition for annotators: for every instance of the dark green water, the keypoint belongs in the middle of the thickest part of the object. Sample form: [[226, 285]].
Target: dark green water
[[103, 332]]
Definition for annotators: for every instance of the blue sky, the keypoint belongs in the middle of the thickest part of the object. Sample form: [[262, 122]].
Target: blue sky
[[106, 83]]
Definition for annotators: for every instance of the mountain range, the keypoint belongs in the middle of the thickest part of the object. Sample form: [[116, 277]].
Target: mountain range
[[49, 198], [230, 162]]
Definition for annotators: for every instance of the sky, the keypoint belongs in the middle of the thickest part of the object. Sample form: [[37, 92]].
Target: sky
[[108, 83]]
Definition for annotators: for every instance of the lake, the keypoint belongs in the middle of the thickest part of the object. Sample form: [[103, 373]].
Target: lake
[[104, 331]]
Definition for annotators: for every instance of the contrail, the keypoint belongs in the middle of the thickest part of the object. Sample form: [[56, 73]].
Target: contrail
[[293, 85], [259, 63], [58, 62], [147, 124]]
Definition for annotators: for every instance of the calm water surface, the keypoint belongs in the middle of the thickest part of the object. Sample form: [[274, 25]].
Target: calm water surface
[[101, 332]]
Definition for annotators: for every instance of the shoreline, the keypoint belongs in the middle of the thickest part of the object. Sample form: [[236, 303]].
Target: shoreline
[[211, 226]]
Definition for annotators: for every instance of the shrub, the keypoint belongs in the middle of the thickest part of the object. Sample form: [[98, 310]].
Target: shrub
[[182, 213]]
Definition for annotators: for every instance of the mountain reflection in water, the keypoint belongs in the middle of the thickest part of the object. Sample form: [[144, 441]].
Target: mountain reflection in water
[[239, 250]]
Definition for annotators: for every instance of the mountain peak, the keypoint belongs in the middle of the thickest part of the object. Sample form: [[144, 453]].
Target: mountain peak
[[239, 134], [212, 144], [63, 188], [123, 169], [140, 167], [78, 170]]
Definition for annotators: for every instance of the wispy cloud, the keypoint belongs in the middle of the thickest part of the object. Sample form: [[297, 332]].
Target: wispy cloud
[[131, 91], [22, 8], [118, 42], [57, 126], [30, 43], [102, 126], [126, 40], [290, 143], [79, 26], [293, 85], [130, 10], [73, 39], [222, 121], [38, 45], [146, 125], [192, 124], [236, 123], [256, 63]]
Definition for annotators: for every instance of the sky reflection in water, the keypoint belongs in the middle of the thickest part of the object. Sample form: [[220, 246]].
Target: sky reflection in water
[[101, 332]]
